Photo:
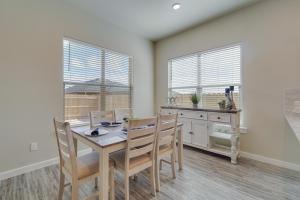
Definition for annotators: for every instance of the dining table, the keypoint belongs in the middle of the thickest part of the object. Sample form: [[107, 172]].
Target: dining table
[[113, 141]]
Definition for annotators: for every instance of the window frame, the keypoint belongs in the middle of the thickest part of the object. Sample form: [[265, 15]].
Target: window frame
[[103, 49], [200, 87]]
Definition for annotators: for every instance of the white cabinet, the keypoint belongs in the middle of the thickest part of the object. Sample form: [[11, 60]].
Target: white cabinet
[[194, 132], [186, 129], [192, 114], [168, 111], [199, 133], [219, 117]]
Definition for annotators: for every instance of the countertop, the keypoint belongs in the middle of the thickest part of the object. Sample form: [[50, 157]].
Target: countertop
[[200, 109]]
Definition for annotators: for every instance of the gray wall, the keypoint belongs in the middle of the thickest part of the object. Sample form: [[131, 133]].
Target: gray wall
[[31, 35], [269, 32]]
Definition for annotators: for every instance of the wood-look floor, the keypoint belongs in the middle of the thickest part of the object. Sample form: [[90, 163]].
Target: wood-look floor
[[205, 176]]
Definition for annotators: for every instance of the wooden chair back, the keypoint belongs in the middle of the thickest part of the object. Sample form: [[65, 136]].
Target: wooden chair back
[[66, 148], [166, 130], [96, 117], [122, 113], [141, 138]]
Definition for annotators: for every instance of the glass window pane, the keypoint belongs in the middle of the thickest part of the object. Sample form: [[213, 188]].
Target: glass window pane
[[117, 69], [117, 97], [210, 72], [80, 100], [95, 79], [183, 96], [82, 63], [211, 96], [183, 71], [221, 67]]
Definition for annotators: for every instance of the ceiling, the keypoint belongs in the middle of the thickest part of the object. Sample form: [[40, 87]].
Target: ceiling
[[155, 19]]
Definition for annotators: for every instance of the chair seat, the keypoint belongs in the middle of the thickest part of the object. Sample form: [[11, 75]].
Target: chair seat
[[119, 158], [88, 165]]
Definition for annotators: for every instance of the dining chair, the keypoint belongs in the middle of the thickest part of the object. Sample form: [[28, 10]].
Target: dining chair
[[96, 117], [139, 152], [121, 113], [165, 144], [78, 169]]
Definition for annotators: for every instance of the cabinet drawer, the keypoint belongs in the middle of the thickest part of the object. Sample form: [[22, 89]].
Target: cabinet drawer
[[165, 111], [219, 117], [193, 114]]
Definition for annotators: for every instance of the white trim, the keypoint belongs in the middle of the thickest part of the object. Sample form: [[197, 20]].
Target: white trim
[[52, 161], [243, 130], [34, 166], [271, 161]]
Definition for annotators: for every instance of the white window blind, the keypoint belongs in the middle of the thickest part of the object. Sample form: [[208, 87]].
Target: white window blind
[[207, 74], [94, 79]]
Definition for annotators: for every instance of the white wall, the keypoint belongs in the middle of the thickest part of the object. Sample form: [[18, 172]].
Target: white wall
[[31, 88], [269, 32]]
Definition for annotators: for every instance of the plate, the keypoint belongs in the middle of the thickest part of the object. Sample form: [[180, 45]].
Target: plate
[[100, 132]]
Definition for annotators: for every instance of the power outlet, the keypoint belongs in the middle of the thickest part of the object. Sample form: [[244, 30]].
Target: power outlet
[[34, 146]]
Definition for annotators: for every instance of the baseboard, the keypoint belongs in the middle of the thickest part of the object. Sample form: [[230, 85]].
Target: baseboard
[[52, 161], [34, 166], [271, 161]]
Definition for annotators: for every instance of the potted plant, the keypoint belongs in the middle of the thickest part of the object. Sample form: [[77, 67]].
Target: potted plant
[[195, 100]]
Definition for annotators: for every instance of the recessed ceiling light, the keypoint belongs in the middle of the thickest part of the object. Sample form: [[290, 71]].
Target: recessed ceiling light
[[176, 6]]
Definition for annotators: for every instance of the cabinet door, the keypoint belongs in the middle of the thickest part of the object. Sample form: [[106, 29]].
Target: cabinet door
[[199, 133], [186, 129]]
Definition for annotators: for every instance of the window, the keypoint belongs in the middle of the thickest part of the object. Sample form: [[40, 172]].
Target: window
[[94, 79], [207, 74]]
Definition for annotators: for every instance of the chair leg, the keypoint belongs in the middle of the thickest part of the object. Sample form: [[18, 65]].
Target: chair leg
[[176, 153], [74, 189], [96, 183], [112, 183], [173, 164], [157, 178], [160, 164], [61, 185], [126, 184], [152, 179]]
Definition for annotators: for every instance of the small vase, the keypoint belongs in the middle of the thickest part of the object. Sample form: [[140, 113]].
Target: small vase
[[195, 105]]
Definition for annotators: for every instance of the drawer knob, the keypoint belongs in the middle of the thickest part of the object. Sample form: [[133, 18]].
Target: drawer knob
[[201, 115], [219, 117], [181, 114], [191, 132]]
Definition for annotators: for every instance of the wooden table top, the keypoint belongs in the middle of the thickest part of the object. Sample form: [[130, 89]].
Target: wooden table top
[[115, 135]]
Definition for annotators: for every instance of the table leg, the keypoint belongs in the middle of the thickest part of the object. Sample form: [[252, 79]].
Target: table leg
[[180, 148], [75, 145], [103, 180]]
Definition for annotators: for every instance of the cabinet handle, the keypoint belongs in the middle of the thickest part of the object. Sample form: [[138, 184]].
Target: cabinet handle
[[191, 132], [181, 114], [219, 117], [201, 115]]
